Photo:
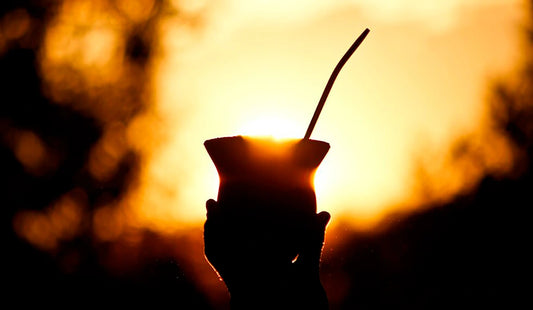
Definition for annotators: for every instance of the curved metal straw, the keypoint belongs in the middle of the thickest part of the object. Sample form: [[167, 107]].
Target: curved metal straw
[[332, 78]]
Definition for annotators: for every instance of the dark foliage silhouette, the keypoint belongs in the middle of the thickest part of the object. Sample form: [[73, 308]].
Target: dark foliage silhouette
[[45, 150], [468, 253]]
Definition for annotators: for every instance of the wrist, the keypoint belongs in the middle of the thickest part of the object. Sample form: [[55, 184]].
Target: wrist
[[278, 295]]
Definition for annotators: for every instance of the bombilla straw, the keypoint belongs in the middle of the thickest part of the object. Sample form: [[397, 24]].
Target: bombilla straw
[[331, 80]]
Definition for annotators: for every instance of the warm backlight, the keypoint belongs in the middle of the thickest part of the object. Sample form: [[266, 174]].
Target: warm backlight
[[275, 127], [258, 69]]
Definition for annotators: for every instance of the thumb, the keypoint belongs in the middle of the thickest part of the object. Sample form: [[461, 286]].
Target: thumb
[[212, 208], [323, 220]]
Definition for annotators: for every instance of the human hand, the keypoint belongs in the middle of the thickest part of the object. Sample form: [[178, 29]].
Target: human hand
[[248, 253]]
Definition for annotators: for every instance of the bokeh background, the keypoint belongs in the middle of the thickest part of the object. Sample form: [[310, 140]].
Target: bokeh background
[[105, 105]]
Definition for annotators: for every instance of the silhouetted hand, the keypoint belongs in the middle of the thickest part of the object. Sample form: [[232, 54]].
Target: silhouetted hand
[[245, 251]]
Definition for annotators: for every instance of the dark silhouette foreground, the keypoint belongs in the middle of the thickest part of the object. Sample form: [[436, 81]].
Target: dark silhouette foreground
[[256, 273]]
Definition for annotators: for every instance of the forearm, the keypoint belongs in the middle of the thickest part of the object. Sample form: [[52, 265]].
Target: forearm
[[279, 296]]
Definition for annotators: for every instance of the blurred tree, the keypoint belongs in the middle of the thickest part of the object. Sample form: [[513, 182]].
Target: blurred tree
[[73, 76], [512, 106], [469, 252]]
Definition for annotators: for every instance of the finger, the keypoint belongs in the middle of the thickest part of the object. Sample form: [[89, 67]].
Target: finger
[[323, 219], [212, 208], [211, 230]]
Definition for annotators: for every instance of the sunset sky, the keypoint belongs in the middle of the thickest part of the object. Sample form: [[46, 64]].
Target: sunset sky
[[417, 83]]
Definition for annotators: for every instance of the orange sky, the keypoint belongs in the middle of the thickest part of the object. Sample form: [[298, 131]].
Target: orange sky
[[259, 67]]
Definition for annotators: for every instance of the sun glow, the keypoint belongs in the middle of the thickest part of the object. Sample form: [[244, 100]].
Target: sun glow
[[271, 126]]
